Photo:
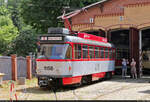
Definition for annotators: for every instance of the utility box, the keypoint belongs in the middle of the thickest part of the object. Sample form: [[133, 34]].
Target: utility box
[[21, 80]]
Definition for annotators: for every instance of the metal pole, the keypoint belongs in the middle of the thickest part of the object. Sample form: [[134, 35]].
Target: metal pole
[[140, 53]]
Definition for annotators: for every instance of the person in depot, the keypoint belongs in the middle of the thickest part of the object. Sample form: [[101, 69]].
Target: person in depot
[[124, 68], [133, 69]]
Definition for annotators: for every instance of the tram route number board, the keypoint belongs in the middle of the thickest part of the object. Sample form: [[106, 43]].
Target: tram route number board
[[50, 38]]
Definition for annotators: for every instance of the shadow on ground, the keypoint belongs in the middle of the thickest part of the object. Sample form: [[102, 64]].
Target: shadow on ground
[[118, 78], [146, 91], [38, 90]]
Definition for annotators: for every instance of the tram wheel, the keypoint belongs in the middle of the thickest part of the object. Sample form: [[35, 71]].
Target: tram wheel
[[77, 85], [108, 76], [89, 79], [86, 79], [110, 73]]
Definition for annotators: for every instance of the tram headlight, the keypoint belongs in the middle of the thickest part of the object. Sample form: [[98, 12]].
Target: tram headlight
[[43, 78], [38, 71]]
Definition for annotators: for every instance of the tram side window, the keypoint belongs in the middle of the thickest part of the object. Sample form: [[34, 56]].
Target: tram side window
[[110, 53], [97, 52], [85, 51], [77, 51], [69, 53], [102, 52], [91, 52]]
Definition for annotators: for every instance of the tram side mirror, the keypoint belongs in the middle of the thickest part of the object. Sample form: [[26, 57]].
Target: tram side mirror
[[38, 47], [43, 50]]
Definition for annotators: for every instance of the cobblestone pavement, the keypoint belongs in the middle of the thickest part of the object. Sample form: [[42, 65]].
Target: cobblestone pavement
[[114, 89]]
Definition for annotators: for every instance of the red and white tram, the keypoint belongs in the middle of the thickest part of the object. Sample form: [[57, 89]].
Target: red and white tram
[[68, 59]]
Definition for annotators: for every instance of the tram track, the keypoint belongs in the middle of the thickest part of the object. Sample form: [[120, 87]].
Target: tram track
[[113, 89], [78, 90], [122, 88]]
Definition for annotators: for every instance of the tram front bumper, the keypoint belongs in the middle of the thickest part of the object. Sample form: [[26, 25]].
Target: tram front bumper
[[44, 81]]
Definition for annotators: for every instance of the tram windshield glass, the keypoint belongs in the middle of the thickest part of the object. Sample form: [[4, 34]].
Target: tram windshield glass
[[55, 51]]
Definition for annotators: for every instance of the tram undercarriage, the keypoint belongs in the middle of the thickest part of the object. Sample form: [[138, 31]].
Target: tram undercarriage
[[46, 81]]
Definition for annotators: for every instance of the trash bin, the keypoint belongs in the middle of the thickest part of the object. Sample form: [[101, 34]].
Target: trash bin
[[21, 80], [1, 78]]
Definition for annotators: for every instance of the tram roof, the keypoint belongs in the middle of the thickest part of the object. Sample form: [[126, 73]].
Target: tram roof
[[75, 39]]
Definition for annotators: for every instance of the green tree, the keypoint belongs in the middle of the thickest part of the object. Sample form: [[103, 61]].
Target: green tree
[[14, 8], [4, 11], [43, 14], [25, 42], [39, 15], [8, 31]]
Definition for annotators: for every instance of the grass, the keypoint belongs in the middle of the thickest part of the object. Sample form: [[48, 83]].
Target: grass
[[32, 81], [5, 87], [1, 86], [6, 84]]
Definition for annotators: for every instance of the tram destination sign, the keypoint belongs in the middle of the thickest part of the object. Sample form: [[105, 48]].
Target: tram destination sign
[[51, 38]]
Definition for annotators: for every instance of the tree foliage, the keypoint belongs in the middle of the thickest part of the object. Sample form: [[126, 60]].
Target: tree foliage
[[22, 20], [25, 42], [43, 14], [8, 31], [14, 8], [4, 11]]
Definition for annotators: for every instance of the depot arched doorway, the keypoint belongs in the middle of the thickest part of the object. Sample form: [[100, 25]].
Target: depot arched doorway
[[145, 47], [120, 38]]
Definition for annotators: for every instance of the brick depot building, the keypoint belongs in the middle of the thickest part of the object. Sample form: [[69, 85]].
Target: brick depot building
[[126, 23]]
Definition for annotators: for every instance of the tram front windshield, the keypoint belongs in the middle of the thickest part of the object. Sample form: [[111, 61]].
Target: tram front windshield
[[53, 51]]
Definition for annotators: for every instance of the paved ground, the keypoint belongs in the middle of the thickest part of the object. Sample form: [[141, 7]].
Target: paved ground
[[114, 89]]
